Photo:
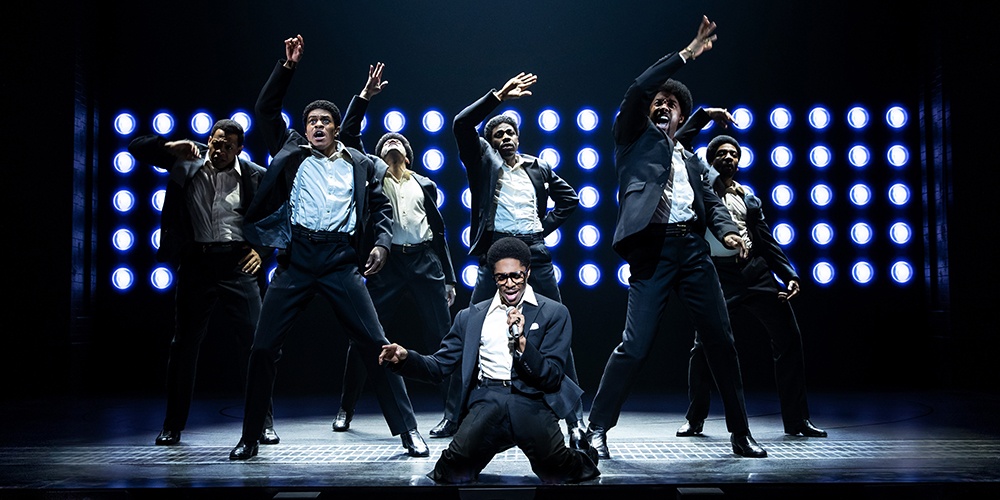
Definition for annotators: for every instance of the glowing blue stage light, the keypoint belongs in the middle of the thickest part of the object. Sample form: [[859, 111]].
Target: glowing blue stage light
[[823, 273], [271, 272], [899, 194], [742, 118], [433, 159], [124, 124], [822, 234], [783, 233], [440, 200], [896, 117], [821, 195], [702, 153], [857, 117], [860, 195], [157, 199], [122, 239], [470, 274], [123, 201], [122, 278], [433, 121], [154, 239], [859, 156], [244, 119], [364, 123], [586, 119], [624, 273], [587, 158], [589, 196], [288, 121], [901, 272], [553, 239], [245, 155], [467, 198], [161, 278], [550, 203], [557, 272], [515, 115], [862, 233], [124, 162], [588, 235], [862, 272], [781, 156], [782, 195], [551, 156], [589, 275], [201, 123], [819, 118], [548, 120], [163, 123], [748, 188], [746, 157], [898, 155], [900, 233], [781, 118], [820, 156], [394, 121], [467, 236]]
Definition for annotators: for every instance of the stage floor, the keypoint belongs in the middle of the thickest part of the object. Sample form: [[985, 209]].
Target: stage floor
[[934, 444]]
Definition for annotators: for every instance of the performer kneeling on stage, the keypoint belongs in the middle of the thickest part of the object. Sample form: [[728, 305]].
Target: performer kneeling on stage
[[515, 388]]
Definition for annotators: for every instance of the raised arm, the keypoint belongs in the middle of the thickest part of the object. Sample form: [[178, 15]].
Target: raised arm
[[268, 107], [350, 132], [155, 150], [470, 148], [633, 112]]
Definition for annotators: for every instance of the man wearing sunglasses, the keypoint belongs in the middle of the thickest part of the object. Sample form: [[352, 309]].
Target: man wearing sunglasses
[[510, 351]]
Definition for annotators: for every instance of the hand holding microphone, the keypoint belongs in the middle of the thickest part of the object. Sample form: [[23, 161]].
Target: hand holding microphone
[[514, 337]]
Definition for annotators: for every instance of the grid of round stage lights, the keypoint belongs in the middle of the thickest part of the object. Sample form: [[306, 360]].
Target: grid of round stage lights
[[822, 155]]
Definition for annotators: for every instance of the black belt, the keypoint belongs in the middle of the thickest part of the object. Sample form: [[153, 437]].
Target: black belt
[[416, 247], [320, 236], [222, 247], [728, 260], [529, 238], [671, 229], [492, 382]]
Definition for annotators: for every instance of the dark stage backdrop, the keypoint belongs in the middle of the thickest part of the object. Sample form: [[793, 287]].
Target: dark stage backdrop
[[88, 65]]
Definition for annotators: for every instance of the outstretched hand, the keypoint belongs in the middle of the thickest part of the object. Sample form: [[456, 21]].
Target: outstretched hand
[[392, 353], [374, 85], [792, 290], [294, 47], [517, 87], [721, 116], [703, 40]]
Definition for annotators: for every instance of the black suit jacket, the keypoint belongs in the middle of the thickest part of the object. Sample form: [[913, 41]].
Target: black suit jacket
[[350, 134], [642, 156], [540, 370], [176, 232], [482, 166], [268, 217]]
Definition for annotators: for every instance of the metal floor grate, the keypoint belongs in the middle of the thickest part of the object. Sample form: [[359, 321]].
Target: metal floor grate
[[621, 451]]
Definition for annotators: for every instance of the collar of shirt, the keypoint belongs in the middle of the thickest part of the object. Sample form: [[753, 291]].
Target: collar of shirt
[[736, 189], [529, 297], [341, 152], [403, 178], [236, 167]]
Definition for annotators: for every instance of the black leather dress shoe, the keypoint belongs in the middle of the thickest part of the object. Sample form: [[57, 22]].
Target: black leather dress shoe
[[444, 429], [598, 440], [414, 444], [167, 438], [745, 446], [243, 450], [807, 429], [343, 420], [577, 436], [269, 436], [691, 428]]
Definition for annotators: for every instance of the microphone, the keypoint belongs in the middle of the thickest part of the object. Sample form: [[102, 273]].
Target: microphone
[[514, 336]]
